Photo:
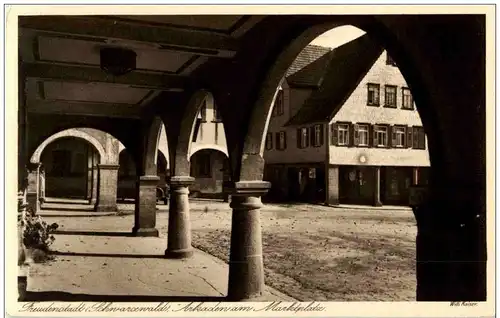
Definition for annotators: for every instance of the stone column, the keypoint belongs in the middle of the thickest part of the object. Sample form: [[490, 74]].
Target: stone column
[[145, 206], [246, 267], [179, 226], [33, 191], [107, 183], [90, 177], [332, 185], [376, 188], [42, 185], [94, 185]]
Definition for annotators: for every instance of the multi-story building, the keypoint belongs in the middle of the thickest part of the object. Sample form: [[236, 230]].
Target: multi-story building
[[345, 130]]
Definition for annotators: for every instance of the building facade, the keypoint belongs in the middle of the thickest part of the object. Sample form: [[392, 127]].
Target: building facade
[[345, 135]]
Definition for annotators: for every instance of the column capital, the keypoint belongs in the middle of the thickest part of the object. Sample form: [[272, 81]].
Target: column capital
[[248, 188], [105, 166], [181, 181]]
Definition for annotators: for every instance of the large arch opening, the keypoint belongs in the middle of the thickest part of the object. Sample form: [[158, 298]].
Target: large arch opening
[[67, 167], [127, 177], [210, 168], [344, 130]]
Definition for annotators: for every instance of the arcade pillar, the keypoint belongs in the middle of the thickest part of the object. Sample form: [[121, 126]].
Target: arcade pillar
[[246, 267], [179, 227], [145, 206], [107, 186]]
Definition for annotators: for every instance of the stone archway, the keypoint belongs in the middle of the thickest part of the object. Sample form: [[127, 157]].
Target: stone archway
[[208, 167], [75, 133], [457, 187]]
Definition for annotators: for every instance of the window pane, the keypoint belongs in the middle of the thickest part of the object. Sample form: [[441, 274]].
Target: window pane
[[390, 96], [363, 135]]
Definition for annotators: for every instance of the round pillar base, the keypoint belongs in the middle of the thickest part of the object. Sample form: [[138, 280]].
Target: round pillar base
[[178, 254]]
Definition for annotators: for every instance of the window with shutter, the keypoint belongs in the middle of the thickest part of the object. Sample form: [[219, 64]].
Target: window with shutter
[[303, 137], [390, 96], [317, 135], [269, 141], [362, 133], [399, 136], [381, 136], [281, 140], [373, 98], [343, 134], [305, 134], [407, 99]]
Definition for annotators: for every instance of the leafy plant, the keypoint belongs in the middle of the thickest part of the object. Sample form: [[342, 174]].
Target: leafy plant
[[37, 234]]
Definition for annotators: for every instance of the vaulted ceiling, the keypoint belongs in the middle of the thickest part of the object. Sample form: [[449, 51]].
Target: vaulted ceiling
[[61, 58]]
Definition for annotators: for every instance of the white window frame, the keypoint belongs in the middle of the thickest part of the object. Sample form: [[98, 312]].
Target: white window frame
[[317, 135], [382, 131], [400, 136], [282, 137], [404, 105], [363, 129], [342, 130], [394, 92], [303, 137], [375, 88]]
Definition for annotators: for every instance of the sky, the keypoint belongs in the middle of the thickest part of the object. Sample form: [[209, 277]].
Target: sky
[[338, 36]]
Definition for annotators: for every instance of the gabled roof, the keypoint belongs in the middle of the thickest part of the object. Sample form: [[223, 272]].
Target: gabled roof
[[348, 65], [310, 75], [308, 55]]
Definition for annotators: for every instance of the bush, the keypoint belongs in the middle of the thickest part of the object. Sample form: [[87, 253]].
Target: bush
[[37, 234]]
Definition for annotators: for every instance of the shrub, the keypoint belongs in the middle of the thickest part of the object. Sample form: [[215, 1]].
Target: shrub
[[37, 234]]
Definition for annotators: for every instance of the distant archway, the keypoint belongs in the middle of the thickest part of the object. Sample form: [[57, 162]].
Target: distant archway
[[75, 133], [210, 168]]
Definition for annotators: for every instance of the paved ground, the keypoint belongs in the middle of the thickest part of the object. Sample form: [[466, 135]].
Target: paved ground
[[111, 265], [310, 252]]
